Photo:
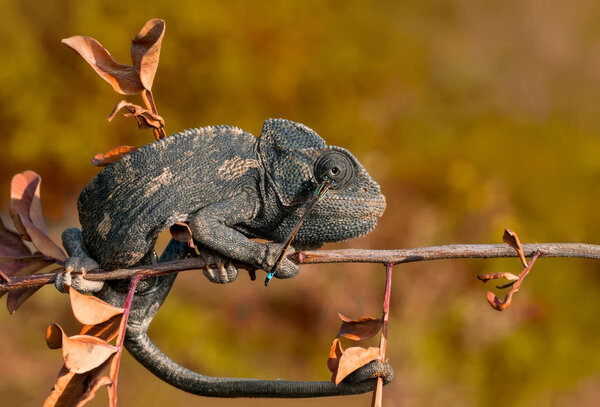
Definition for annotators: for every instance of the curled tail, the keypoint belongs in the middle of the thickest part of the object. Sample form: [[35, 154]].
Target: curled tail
[[145, 305]]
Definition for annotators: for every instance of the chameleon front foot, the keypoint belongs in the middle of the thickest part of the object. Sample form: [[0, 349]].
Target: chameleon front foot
[[79, 283], [218, 269]]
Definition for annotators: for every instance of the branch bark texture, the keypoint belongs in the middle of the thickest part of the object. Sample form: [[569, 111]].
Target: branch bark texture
[[455, 251]]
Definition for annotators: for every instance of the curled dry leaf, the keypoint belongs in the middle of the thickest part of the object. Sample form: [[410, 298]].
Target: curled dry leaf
[[90, 310], [92, 388], [111, 156], [510, 238], [335, 353], [54, 335], [73, 389], [67, 390], [11, 248], [494, 276], [145, 50], [499, 305], [496, 303], [359, 329], [352, 359], [42, 241], [124, 79], [17, 297], [144, 118], [82, 353], [107, 330], [25, 201]]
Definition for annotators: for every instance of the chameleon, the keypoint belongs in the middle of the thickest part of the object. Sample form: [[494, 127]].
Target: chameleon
[[230, 188]]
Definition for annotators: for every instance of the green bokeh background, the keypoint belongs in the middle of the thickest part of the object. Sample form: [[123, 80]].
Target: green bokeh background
[[473, 116]]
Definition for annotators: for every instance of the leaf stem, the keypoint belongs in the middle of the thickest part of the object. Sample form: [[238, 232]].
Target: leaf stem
[[114, 366], [377, 400], [151, 106]]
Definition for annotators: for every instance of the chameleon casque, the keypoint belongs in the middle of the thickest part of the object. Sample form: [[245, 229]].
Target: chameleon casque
[[230, 187]]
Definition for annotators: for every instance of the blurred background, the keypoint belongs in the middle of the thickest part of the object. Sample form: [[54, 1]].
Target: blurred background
[[473, 116]]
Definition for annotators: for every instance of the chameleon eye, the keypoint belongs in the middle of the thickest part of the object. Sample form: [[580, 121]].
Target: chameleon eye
[[336, 166]]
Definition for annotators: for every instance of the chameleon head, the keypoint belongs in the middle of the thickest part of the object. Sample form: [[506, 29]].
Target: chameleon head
[[297, 161]]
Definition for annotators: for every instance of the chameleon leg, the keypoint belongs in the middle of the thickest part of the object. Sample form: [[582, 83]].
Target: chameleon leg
[[146, 304]]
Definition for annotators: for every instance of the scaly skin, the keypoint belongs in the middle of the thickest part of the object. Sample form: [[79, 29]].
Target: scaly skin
[[229, 187]]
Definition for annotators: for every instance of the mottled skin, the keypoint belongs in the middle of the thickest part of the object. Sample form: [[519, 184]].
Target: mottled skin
[[230, 187]]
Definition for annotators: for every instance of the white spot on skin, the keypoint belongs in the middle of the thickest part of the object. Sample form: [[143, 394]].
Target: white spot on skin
[[104, 226], [235, 167], [158, 182]]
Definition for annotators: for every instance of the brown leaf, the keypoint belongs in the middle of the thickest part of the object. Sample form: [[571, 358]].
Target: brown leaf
[[496, 303], [353, 359], [82, 353], [54, 335], [67, 390], [72, 389], [335, 353], [511, 239], [145, 50], [493, 276], [90, 310], [91, 390], [107, 330], [25, 201], [101, 160], [124, 79], [181, 232], [17, 297], [144, 118], [42, 241], [11, 245], [359, 329]]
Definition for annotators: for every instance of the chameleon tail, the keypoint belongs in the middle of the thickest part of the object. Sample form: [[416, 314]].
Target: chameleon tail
[[169, 371], [141, 348]]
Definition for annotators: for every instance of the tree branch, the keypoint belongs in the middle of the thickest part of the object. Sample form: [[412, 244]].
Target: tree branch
[[455, 251]]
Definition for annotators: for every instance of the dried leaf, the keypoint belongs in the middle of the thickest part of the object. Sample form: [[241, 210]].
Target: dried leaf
[[67, 390], [11, 243], [353, 359], [107, 330], [42, 241], [145, 50], [124, 79], [101, 160], [82, 353], [144, 118], [335, 353], [54, 335], [511, 239], [494, 276], [90, 310], [11, 248], [181, 232], [91, 390], [359, 329], [30, 258], [17, 297], [25, 201], [72, 389], [496, 303]]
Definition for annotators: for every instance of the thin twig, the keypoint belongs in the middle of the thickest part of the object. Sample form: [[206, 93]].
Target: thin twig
[[581, 250], [377, 400], [114, 366]]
